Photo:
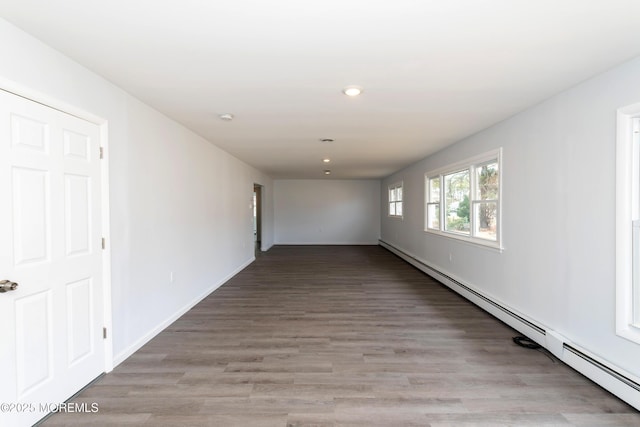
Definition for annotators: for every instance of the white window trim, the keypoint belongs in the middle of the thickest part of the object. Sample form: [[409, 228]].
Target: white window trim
[[627, 210], [428, 202], [465, 164], [392, 186]]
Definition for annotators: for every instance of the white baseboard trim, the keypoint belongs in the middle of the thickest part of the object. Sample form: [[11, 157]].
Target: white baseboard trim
[[373, 243], [617, 381], [123, 355], [623, 384]]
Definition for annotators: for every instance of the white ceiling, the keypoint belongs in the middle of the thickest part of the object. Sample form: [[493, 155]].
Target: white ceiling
[[433, 71]]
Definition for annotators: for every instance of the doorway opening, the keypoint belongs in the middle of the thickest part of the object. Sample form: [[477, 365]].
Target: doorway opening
[[257, 218], [52, 229]]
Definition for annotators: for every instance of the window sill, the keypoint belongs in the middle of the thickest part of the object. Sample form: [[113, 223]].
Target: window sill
[[630, 332], [488, 244]]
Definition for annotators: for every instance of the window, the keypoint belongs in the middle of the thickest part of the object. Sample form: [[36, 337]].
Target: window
[[463, 200], [628, 223], [433, 204], [456, 202], [395, 200], [635, 221]]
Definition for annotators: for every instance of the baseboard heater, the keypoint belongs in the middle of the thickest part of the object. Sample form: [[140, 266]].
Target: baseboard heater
[[617, 375], [611, 378]]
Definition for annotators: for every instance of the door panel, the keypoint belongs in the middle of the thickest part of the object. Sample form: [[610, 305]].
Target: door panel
[[77, 214], [76, 146], [29, 134], [34, 358], [79, 319], [31, 229], [50, 243]]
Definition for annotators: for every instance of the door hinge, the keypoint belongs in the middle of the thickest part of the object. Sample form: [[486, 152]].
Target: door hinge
[[101, 153], [104, 333], [104, 243]]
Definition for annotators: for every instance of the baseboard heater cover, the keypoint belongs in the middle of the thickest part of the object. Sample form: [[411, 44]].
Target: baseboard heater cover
[[617, 375], [610, 378]]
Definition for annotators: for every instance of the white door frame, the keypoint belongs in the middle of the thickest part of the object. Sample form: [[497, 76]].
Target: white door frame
[[44, 99]]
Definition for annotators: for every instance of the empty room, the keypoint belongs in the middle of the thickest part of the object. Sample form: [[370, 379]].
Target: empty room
[[320, 213]]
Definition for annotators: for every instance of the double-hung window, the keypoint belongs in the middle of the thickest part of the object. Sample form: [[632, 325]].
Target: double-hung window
[[395, 200], [628, 223], [463, 200]]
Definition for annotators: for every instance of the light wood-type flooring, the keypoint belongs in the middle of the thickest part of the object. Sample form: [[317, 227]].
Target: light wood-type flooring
[[342, 336]]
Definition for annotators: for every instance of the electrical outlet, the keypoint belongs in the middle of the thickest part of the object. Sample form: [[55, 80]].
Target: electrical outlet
[[172, 277]]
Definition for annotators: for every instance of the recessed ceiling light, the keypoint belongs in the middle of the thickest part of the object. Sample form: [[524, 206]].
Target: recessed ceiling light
[[327, 172], [352, 90], [227, 117], [327, 139], [326, 160]]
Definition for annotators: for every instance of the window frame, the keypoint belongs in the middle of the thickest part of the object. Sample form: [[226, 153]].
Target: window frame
[[391, 187], [628, 222], [430, 202], [471, 165]]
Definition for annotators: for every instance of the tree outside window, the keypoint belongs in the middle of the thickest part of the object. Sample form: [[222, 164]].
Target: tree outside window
[[456, 187]]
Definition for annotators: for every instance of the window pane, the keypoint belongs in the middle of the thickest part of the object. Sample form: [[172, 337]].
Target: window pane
[[635, 273], [434, 189], [392, 194], [487, 181], [433, 216], [399, 193], [456, 188], [484, 217], [392, 208], [399, 208]]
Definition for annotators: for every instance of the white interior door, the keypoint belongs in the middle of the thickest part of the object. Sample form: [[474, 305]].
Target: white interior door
[[51, 341]]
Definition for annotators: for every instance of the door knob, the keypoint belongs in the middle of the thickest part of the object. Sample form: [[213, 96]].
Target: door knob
[[7, 285]]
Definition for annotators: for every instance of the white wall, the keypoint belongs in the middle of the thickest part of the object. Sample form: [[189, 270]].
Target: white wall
[[558, 266], [178, 203], [327, 211]]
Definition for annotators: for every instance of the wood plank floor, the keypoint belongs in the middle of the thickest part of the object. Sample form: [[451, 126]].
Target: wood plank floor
[[342, 336]]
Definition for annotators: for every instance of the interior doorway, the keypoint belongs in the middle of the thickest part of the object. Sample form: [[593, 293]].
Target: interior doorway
[[257, 218], [52, 298]]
